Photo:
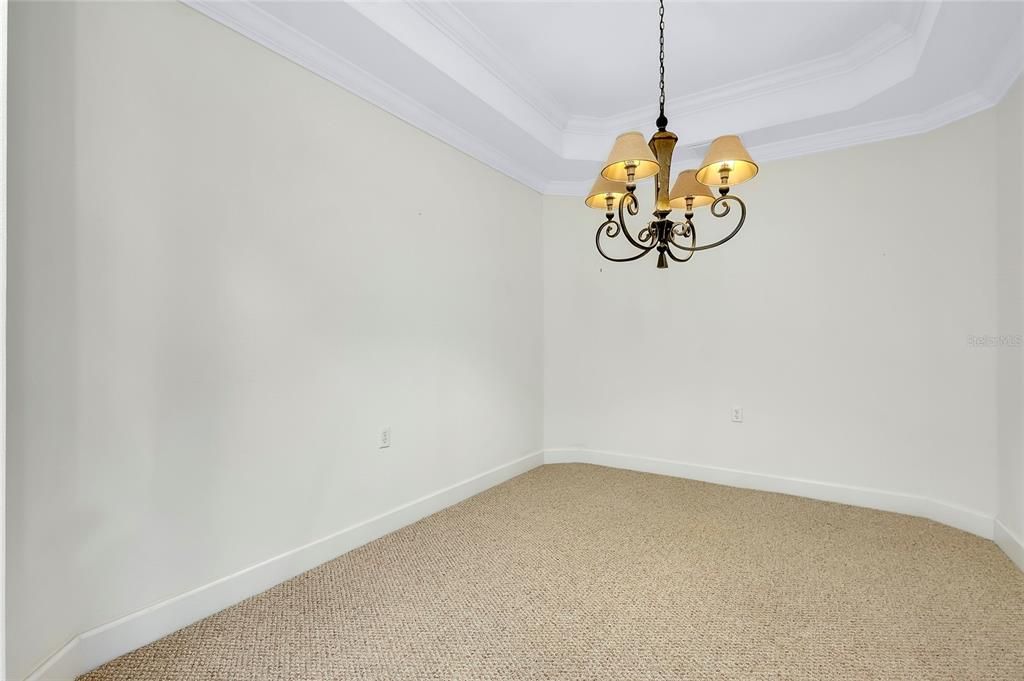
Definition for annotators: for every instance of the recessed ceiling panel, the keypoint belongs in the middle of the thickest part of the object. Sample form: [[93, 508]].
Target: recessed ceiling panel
[[538, 90], [600, 59]]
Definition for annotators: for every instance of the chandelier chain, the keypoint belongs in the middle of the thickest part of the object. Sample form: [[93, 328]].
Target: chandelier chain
[[662, 121]]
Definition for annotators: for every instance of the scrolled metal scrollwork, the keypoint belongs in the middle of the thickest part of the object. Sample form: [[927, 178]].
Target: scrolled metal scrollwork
[[663, 234], [643, 251], [645, 240], [610, 227], [719, 209], [629, 203], [682, 229], [646, 234], [689, 230]]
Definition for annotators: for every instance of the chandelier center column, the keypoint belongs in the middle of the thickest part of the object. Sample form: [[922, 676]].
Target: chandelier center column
[[662, 144]]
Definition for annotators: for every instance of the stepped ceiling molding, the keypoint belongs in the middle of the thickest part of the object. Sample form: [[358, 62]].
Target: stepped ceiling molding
[[539, 90]]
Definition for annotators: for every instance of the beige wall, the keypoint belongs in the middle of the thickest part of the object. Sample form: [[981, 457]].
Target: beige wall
[[1009, 181], [226, 276], [839, 319]]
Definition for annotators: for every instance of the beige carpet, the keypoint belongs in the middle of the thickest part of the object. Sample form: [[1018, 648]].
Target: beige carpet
[[583, 572]]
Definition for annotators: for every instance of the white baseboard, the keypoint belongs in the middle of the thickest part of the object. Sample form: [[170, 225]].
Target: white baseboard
[[1011, 544], [948, 514], [96, 646]]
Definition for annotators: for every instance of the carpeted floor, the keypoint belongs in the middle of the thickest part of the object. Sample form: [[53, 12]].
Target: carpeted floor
[[582, 572]]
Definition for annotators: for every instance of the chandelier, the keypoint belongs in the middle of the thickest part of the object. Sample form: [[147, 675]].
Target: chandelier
[[726, 164]]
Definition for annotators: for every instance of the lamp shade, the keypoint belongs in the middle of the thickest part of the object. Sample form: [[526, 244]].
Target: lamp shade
[[602, 189], [726, 152], [687, 185], [630, 149]]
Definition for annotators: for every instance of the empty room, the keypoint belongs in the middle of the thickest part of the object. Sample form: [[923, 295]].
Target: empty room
[[489, 340]]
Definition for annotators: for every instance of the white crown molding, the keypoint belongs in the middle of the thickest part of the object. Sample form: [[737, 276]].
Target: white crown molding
[[838, 82], [446, 17], [101, 644], [878, 42], [441, 35], [248, 19], [943, 512], [1002, 75]]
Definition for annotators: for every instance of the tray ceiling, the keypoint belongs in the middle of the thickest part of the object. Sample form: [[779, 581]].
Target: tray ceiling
[[538, 90]]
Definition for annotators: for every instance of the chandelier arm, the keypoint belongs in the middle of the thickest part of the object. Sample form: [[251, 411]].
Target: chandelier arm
[[719, 209], [644, 250], [633, 208]]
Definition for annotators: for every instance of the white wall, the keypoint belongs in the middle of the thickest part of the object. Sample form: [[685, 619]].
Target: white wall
[[839, 319], [1010, 280], [226, 275]]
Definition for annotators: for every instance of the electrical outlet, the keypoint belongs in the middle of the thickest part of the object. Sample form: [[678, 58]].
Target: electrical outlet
[[385, 438], [737, 414]]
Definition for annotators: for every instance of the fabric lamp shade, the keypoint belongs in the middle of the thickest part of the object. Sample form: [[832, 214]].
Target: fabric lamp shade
[[726, 152], [630, 149], [687, 185], [602, 189]]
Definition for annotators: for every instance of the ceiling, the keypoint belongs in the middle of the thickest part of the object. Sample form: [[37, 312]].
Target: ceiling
[[539, 90]]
